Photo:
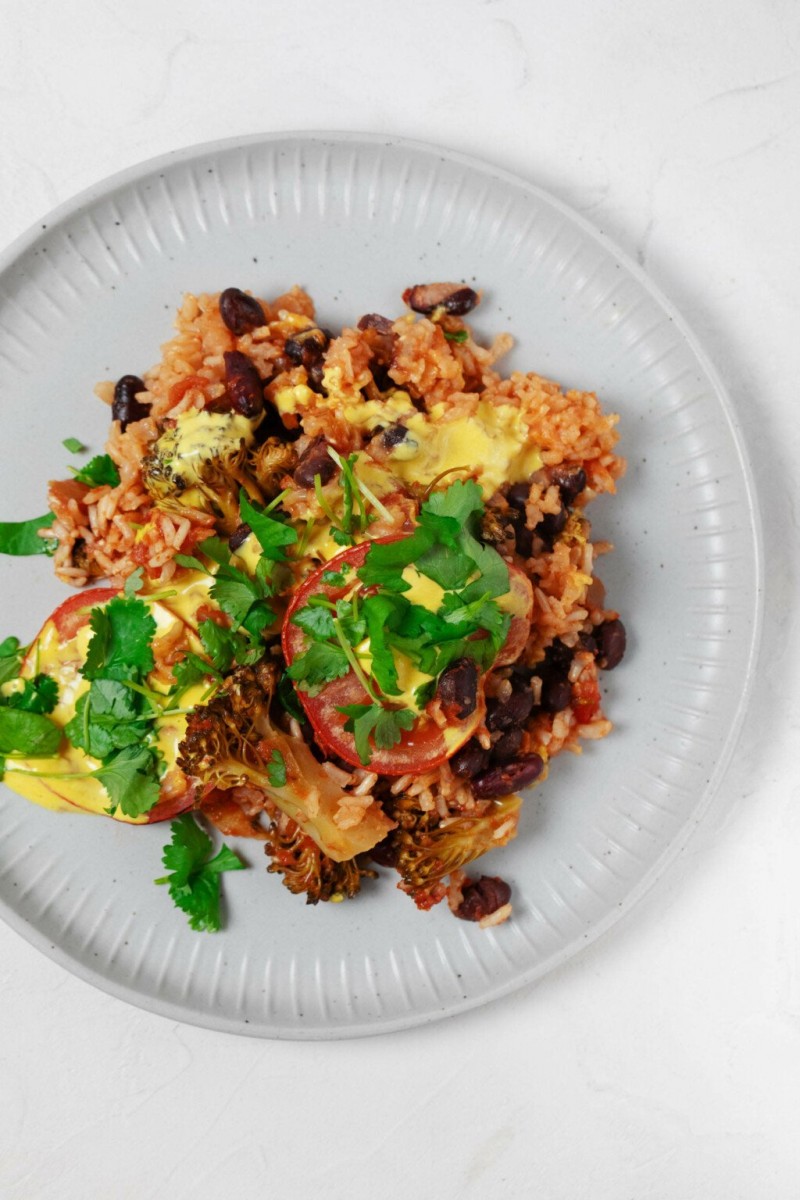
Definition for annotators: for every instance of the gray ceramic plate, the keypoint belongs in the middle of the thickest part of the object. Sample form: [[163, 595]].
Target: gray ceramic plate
[[89, 294]]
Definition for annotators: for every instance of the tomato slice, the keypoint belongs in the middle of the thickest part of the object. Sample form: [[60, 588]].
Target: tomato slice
[[69, 618], [426, 745]]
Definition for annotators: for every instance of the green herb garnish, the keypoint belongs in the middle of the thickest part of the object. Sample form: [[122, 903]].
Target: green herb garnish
[[194, 879], [21, 538], [98, 471]]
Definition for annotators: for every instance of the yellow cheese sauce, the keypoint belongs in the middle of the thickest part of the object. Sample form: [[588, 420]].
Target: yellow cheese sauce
[[492, 444], [62, 661]]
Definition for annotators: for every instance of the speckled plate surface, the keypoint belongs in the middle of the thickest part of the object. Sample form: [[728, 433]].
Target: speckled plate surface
[[89, 294]]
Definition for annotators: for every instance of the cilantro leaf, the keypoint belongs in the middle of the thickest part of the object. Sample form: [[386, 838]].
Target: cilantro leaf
[[448, 566], [218, 644], [272, 535], [190, 562], [458, 335], [98, 471], [276, 769], [494, 577], [120, 644], [39, 695], [460, 501], [386, 561], [352, 623], [192, 669], [336, 578], [236, 593], [194, 882], [131, 779], [316, 623], [30, 734], [384, 725], [107, 718], [320, 664], [22, 538], [74, 445], [217, 549], [11, 656], [288, 698], [381, 612]]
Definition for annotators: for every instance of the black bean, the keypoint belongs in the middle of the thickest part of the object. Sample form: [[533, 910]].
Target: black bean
[[483, 897], [507, 778], [507, 745], [556, 695], [557, 660], [570, 481], [517, 495], [469, 760], [315, 373], [308, 347], [455, 298], [611, 640], [523, 536], [587, 641], [551, 525], [315, 461], [243, 384], [239, 536], [126, 407], [375, 321], [458, 688], [240, 312], [514, 711]]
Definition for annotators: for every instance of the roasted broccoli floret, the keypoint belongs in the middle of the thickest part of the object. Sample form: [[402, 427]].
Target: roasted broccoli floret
[[201, 463], [232, 741], [306, 870], [427, 847]]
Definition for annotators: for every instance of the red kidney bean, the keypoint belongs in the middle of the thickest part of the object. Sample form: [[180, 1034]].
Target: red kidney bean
[[458, 688], [507, 778], [308, 347], [239, 536], [126, 407], [315, 461], [611, 640], [454, 298], [570, 481], [470, 760], [507, 745], [240, 312], [375, 321], [513, 711], [556, 695], [243, 384], [483, 897]]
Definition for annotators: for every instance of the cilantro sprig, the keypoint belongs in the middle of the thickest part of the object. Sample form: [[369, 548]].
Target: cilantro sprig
[[194, 876], [468, 621]]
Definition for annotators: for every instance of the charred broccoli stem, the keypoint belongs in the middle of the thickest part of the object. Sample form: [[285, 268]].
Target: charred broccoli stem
[[306, 870]]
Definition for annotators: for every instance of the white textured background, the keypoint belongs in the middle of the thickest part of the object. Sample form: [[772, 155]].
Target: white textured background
[[665, 1062]]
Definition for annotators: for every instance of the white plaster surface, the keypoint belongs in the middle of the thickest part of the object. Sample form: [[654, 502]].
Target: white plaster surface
[[664, 1062]]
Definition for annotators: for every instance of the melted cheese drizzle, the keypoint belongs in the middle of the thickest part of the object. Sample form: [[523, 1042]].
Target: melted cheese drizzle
[[62, 661]]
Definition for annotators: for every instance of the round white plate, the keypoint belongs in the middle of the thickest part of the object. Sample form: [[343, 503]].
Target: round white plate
[[89, 294]]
